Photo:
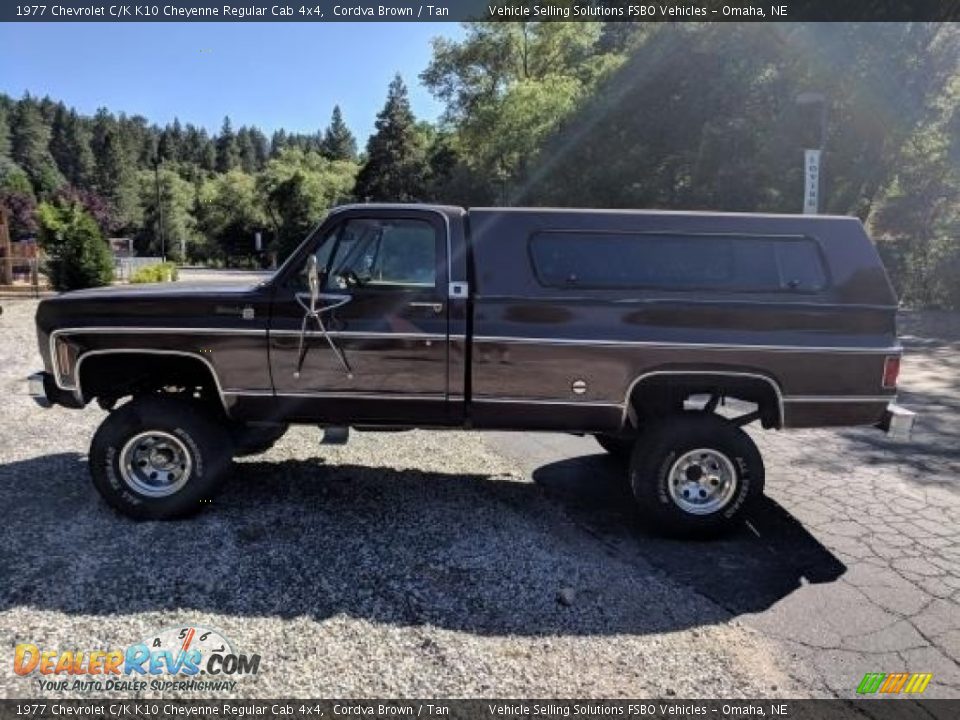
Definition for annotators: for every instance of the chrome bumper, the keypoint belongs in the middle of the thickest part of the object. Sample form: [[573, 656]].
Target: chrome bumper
[[898, 422], [37, 390]]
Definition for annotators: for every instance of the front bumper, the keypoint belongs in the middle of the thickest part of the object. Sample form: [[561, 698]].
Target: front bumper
[[898, 422], [36, 388], [45, 393]]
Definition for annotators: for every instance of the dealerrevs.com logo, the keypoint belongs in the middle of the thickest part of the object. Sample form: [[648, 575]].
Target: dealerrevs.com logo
[[182, 658]]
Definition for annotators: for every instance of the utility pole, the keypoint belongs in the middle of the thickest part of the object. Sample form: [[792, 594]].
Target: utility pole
[[163, 243]]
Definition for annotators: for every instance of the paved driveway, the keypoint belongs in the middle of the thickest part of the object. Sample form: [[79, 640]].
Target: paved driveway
[[852, 563]]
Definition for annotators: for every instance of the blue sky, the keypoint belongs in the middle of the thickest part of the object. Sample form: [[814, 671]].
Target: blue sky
[[271, 75]]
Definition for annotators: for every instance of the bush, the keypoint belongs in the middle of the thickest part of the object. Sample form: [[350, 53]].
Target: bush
[[78, 256], [161, 272]]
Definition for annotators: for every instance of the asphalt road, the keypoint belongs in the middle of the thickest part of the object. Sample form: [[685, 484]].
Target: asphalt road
[[852, 562]]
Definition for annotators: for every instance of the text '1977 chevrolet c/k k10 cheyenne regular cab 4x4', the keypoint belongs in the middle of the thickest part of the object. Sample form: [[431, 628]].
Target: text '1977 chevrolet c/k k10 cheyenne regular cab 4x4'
[[632, 326]]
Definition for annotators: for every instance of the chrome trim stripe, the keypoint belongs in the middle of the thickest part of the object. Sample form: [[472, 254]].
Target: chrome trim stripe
[[361, 396], [839, 398], [78, 393], [539, 401], [701, 346], [368, 335], [722, 373]]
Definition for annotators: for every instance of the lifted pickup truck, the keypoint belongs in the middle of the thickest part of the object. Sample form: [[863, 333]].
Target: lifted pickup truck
[[631, 326]]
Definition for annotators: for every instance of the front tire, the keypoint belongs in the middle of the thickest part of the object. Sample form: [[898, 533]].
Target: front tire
[[695, 475], [159, 458]]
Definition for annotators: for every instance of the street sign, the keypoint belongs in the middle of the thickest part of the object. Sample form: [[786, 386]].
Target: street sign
[[811, 182]]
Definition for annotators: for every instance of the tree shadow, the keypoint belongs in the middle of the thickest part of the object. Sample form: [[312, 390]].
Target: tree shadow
[[745, 571], [474, 553]]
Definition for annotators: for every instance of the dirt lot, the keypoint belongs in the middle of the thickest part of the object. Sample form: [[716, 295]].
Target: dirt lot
[[434, 564]]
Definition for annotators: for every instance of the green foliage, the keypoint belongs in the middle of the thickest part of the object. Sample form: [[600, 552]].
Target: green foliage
[[297, 188], [116, 181], [176, 209], [160, 272], [395, 169], [30, 147], [78, 256], [228, 154], [229, 213]]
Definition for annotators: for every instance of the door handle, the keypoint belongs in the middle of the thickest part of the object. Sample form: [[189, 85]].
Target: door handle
[[435, 306]]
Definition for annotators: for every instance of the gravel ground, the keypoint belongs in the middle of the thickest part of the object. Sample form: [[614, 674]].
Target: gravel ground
[[414, 564]]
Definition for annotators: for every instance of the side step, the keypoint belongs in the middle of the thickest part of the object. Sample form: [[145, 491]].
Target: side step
[[335, 435]]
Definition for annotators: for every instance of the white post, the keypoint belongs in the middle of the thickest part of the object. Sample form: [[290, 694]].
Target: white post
[[811, 182]]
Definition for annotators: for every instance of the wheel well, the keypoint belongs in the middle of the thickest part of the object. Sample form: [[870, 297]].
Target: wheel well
[[110, 376], [665, 392]]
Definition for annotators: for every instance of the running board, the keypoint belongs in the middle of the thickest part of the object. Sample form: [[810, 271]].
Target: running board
[[335, 435]]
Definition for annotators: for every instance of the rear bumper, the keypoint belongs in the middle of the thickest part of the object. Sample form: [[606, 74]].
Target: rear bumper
[[897, 422]]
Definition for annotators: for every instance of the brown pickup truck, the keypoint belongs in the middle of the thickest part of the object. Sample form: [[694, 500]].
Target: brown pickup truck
[[636, 327]]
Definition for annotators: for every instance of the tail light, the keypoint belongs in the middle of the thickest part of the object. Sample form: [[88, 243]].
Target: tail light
[[891, 371]]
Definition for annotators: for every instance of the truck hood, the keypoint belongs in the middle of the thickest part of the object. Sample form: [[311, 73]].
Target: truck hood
[[177, 304]]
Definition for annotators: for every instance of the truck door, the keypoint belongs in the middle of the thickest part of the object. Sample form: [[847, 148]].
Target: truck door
[[375, 346]]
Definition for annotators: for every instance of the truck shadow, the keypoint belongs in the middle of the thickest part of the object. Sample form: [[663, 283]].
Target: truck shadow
[[746, 571], [482, 554]]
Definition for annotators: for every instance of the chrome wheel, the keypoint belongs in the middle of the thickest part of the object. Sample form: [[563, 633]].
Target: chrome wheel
[[155, 463], [702, 481]]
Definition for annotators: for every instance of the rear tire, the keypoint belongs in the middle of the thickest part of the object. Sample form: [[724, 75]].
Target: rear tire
[[620, 447], [695, 475], [158, 458]]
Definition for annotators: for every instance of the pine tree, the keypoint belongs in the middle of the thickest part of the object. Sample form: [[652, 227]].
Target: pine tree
[[30, 147], [227, 153], [338, 142], [246, 152], [395, 169], [70, 147], [4, 135], [116, 181], [261, 147], [170, 145], [278, 141]]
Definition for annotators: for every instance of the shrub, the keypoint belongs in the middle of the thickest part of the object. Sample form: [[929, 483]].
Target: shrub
[[78, 256], [161, 272]]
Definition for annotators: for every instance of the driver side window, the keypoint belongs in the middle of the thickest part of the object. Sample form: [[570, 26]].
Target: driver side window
[[383, 253]]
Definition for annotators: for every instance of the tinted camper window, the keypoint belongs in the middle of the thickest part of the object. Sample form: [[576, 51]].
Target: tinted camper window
[[711, 262]]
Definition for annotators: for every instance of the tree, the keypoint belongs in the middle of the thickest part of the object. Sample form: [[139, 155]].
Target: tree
[[116, 181], [227, 152], [30, 147], [4, 135], [338, 142], [297, 188], [170, 146], [78, 255], [230, 213], [23, 213], [70, 147], [395, 169], [176, 207]]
